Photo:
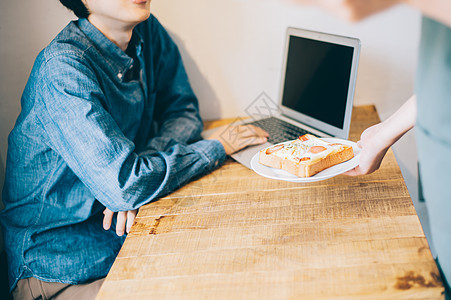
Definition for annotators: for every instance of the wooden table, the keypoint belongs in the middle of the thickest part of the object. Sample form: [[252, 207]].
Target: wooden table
[[236, 235]]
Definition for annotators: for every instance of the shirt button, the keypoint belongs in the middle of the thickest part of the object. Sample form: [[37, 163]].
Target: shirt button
[[119, 75]]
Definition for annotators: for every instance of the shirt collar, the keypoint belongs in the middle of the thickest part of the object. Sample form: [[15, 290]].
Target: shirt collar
[[118, 59]]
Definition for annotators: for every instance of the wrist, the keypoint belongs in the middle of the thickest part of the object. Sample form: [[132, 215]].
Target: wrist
[[391, 132], [224, 146], [384, 136]]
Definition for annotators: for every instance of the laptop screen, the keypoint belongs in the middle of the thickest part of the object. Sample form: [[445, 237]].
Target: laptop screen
[[317, 79]]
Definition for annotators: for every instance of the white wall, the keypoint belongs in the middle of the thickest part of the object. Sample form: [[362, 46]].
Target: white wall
[[25, 28], [232, 50]]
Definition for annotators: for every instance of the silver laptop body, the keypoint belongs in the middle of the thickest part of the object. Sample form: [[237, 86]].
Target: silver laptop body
[[317, 87]]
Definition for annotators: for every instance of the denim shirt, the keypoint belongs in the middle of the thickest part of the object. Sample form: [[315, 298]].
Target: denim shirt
[[99, 128]]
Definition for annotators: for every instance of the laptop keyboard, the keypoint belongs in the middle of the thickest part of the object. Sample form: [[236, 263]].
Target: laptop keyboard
[[279, 130]]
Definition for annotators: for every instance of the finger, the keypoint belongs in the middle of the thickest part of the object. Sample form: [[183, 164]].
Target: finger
[[243, 131], [238, 129], [244, 142], [107, 218], [258, 131], [252, 131], [354, 172], [131, 214], [120, 224]]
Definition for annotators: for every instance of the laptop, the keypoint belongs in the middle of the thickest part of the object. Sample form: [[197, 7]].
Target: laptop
[[316, 94]]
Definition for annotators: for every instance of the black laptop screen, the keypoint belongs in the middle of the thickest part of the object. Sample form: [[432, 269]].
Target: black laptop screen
[[317, 79]]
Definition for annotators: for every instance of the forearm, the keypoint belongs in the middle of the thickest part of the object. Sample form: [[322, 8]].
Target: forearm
[[182, 129], [439, 10], [377, 139], [355, 10], [400, 122], [144, 178]]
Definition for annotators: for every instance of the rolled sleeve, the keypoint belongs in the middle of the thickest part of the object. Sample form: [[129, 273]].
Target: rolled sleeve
[[213, 151]]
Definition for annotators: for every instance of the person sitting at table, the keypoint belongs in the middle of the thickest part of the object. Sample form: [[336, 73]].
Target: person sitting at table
[[429, 110], [109, 123]]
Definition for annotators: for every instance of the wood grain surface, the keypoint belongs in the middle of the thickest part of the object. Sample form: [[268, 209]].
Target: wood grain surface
[[236, 235]]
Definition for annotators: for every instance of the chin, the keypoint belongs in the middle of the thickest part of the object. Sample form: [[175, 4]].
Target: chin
[[144, 17], [139, 17]]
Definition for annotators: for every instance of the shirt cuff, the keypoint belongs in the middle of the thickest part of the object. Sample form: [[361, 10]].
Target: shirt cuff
[[159, 144], [213, 151]]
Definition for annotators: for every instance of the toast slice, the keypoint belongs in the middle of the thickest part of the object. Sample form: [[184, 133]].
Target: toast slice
[[306, 156]]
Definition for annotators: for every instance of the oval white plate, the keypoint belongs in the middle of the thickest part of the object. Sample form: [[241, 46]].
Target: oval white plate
[[333, 171]]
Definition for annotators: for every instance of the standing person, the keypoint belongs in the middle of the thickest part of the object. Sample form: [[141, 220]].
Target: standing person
[[109, 123], [429, 111]]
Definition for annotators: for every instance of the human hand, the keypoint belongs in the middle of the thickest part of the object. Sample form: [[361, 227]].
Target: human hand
[[124, 222], [374, 147], [235, 138], [376, 140], [352, 10]]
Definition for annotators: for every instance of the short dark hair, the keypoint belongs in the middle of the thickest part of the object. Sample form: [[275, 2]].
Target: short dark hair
[[77, 6]]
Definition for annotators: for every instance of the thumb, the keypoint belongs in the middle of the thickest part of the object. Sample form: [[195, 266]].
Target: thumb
[[353, 172]]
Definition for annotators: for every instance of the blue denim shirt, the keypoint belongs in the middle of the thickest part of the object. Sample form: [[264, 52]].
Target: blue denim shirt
[[99, 128]]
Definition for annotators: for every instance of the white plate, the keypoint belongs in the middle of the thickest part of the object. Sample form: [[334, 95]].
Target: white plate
[[323, 175]]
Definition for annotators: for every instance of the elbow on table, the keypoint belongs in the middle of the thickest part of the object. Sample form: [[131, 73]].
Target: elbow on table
[[137, 183], [126, 198]]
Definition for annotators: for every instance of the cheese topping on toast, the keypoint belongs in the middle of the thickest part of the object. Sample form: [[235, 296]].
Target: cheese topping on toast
[[306, 148]]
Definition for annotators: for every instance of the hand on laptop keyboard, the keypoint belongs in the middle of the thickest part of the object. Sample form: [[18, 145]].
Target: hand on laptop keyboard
[[279, 130], [235, 138]]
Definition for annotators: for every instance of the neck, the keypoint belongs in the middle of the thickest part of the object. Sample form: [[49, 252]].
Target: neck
[[119, 34]]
